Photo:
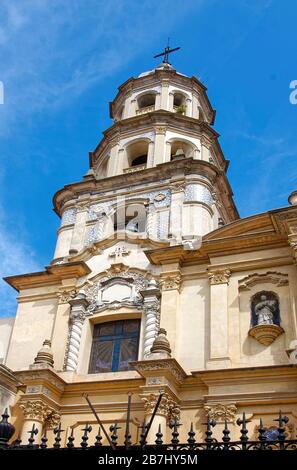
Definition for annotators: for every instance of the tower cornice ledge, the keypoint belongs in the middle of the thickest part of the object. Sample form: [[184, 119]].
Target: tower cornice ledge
[[154, 175], [158, 117]]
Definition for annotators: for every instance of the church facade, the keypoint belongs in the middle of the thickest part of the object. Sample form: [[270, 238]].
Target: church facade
[[157, 284]]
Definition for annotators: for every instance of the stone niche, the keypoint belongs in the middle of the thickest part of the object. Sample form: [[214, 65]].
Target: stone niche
[[265, 310]]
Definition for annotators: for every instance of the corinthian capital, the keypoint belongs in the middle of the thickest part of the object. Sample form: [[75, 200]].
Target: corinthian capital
[[171, 281], [168, 406], [219, 276], [37, 410], [221, 413]]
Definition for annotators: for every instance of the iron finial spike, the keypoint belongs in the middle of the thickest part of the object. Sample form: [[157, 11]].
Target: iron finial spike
[[85, 437], [127, 433], [191, 434], [98, 442], [32, 433], [71, 438], [159, 436]]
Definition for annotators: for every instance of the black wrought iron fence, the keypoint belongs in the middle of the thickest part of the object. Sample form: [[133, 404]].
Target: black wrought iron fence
[[263, 442]]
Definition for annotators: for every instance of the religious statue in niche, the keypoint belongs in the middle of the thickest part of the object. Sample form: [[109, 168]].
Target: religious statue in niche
[[265, 309], [265, 317]]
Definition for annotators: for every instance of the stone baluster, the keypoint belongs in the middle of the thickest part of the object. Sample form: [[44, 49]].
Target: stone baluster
[[78, 311]]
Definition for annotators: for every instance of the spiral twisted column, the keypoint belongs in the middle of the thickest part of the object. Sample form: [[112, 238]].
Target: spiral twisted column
[[151, 303], [77, 316]]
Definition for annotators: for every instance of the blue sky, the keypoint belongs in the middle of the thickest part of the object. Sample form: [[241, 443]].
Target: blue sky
[[61, 63]]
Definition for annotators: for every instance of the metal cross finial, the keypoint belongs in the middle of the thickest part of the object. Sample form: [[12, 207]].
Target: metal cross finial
[[281, 419], [87, 429], [32, 433], [166, 53], [57, 432]]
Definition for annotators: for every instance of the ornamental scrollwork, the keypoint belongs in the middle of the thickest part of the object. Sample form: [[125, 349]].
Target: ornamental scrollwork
[[168, 406], [221, 413], [65, 295], [170, 282], [134, 281], [40, 411], [219, 276]]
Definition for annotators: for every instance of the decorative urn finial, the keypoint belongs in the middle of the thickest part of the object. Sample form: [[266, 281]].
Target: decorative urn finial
[[161, 346], [45, 355]]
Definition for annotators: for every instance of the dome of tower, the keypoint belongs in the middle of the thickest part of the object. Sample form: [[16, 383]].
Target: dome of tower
[[162, 66]]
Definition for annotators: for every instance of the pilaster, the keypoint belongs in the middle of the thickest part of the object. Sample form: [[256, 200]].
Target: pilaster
[[170, 282], [160, 132], [78, 237], [219, 334]]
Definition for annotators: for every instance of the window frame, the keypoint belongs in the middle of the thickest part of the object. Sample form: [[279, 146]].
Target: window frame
[[117, 338]]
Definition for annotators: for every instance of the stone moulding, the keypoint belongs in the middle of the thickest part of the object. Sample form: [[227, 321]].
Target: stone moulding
[[272, 277], [266, 334]]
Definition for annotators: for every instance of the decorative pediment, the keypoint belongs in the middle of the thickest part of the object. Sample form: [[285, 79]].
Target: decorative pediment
[[270, 277], [117, 287]]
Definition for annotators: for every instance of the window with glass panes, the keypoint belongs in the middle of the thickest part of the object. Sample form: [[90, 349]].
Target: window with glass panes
[[115, 344]]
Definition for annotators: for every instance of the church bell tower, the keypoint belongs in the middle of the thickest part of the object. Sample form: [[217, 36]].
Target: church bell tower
[[160, 161]]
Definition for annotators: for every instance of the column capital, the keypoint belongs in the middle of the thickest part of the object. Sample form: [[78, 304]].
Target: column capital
[[177, 187], [79, 302], [152, 293], [170, 281], [221, 412], [169, 407], [219, 276], [160, 130], [65, 295], [38, 410]]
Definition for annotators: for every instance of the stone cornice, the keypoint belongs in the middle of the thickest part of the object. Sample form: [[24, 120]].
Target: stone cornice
[[163, 171], [243, 235], [8, 379], [242, 375], [52, 275], [44, 376], [169, 368]]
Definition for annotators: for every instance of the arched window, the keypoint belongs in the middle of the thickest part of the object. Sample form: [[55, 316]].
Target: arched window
[[115, 345], [179, 103], [146, 101], [181, 149], [137, 154]]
